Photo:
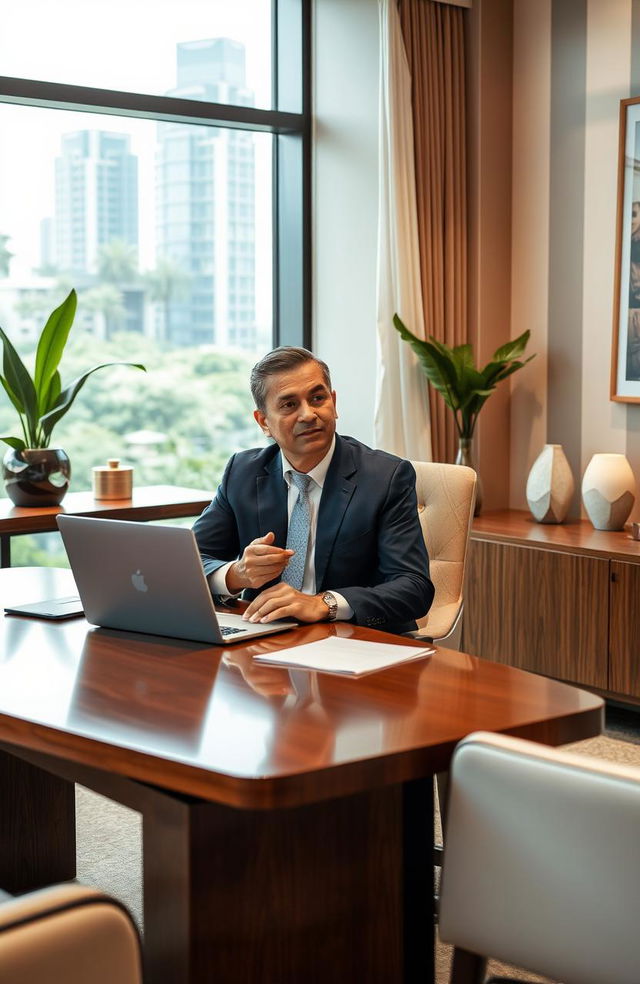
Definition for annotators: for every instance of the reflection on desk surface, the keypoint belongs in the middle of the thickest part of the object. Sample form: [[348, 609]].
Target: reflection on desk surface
[[155, 701]]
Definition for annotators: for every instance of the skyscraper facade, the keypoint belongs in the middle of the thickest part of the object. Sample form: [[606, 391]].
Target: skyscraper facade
[[96, 198], [205, 199]]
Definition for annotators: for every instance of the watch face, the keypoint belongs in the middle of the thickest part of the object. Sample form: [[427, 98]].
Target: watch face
[[331, 604]]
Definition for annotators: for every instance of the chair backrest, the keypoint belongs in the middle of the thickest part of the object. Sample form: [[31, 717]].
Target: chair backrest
[[541, 862], [67, 933], [446, 497]]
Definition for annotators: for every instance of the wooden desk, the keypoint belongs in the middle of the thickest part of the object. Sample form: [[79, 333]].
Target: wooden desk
[[153, 502], [287, 817]]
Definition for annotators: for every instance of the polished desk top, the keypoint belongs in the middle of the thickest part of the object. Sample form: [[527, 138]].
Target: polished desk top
[[208, 721], [151, 502]]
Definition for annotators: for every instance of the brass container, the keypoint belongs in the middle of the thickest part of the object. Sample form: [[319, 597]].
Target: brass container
[[113, 481]]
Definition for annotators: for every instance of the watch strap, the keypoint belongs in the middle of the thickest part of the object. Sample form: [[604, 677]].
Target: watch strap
[[332, 605]]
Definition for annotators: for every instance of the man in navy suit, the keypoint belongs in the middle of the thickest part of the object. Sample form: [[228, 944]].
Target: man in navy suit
[[365, 560]]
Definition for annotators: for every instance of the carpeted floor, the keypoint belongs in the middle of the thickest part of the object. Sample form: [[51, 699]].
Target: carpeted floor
[[109, 836]]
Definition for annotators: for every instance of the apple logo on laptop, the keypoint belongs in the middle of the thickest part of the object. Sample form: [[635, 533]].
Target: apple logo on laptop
[[138, 582]]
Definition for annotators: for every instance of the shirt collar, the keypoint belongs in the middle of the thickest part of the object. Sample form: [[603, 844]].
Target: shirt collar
[[318, 474]]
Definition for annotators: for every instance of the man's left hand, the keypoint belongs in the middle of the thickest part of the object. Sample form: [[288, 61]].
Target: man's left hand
[[283, 601]]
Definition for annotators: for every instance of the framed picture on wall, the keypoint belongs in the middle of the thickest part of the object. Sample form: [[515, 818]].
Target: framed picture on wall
[[625, 358]]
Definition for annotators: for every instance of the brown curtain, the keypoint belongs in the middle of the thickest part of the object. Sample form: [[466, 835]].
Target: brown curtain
[[434, 41]]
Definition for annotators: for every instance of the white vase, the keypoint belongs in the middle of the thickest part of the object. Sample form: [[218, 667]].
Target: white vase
[[608, 491], [550, 485]]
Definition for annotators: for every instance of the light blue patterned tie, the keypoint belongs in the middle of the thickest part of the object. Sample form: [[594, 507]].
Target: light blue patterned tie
[[299, 530]]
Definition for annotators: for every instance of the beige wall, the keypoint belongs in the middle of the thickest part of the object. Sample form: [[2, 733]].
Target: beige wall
[[573, 62], [345, 197], [530, 232]]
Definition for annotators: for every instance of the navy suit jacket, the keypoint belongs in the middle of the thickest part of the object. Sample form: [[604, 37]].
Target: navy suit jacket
[[369, 545]]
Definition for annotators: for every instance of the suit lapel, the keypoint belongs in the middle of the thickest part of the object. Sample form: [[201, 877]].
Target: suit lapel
[[271, 493], [338, 489]]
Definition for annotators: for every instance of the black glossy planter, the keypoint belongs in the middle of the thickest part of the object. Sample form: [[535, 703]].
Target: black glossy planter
[[36, 476]]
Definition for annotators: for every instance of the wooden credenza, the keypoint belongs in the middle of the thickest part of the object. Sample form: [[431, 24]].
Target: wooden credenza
[[562, 600]]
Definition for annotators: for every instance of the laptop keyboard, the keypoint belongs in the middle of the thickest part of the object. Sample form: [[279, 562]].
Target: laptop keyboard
[[228, 630]]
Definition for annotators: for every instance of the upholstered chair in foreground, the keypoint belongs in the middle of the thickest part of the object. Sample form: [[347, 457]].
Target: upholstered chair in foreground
[[541, 863], [67, 934], [446, 497]]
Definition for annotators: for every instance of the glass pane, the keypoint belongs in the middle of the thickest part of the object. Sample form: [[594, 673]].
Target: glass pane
[[200, 49], [165, 232]]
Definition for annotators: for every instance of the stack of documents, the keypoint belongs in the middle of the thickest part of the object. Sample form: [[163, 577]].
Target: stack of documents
[[349, 657]]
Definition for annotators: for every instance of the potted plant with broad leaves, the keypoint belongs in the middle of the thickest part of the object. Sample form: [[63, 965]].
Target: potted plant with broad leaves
[[464, 388], [34, 473]]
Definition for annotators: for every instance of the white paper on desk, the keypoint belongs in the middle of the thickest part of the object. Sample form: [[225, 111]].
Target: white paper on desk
[[349, 657]]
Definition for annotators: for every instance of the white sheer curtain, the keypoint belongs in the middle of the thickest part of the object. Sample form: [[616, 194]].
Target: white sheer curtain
[[402, 423]]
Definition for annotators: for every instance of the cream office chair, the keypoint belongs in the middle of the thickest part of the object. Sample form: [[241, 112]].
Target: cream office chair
[[541, 863], [67, 934], [446, 497]]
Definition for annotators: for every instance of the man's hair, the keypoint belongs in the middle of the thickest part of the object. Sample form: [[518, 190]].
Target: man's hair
[[281, 359]]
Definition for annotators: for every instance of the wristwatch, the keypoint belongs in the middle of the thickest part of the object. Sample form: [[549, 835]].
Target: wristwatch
[[332, 605]]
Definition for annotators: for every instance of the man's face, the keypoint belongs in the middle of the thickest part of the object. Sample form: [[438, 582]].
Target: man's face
[[300, 415], [635, 220]]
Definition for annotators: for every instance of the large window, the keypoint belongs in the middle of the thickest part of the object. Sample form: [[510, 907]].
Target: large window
[[159, 165], [132, 46]]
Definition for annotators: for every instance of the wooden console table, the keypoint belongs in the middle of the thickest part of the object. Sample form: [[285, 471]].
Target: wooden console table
[[150, 503], [562, 600]]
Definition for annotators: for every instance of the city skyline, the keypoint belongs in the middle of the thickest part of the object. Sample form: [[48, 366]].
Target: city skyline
[[205, 217], [238, 164], [96, 182]]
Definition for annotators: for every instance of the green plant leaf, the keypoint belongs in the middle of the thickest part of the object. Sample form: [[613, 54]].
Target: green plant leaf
[[471, 379], [453, 373], [68, 395], [472, 403], [512, 350], [14, 442], [19, 382], [455, 357], [51, 346], [512, 367], [490, 374], [463, 355], [437, 365], [49, 398], [14, 399], [442, 372], [465, 352]]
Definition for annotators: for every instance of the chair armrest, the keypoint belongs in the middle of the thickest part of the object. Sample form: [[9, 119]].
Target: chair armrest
[[67, 933]]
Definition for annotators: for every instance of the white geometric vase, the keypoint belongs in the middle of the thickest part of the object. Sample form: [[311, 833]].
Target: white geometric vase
[[608, 491], [550, 485]]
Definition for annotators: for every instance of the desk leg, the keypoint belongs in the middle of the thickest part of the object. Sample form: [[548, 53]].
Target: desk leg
[[37, 826], [5, 550], [419, 882], [315, 894]]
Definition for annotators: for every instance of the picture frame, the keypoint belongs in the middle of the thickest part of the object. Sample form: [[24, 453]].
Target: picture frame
[[625, 352]]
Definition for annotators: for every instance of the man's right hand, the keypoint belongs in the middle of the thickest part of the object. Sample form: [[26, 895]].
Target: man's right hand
[[260, 563]]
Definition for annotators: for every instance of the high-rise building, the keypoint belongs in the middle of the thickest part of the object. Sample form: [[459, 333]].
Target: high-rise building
[[205, 183], [47, 243], [96, 178]]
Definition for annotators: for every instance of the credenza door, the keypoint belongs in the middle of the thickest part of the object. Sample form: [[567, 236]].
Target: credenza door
[[624, 629], [540, 610]]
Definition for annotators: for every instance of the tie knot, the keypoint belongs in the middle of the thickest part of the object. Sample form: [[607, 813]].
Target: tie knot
[[301, 482]]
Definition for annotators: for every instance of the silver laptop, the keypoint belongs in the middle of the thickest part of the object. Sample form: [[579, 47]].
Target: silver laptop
[[147, 578]]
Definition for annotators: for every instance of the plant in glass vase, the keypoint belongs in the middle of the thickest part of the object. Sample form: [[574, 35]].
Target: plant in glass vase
[[34, 473], [464, 387]]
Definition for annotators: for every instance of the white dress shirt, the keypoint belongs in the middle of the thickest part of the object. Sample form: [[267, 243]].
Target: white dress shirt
[[218, 580]]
